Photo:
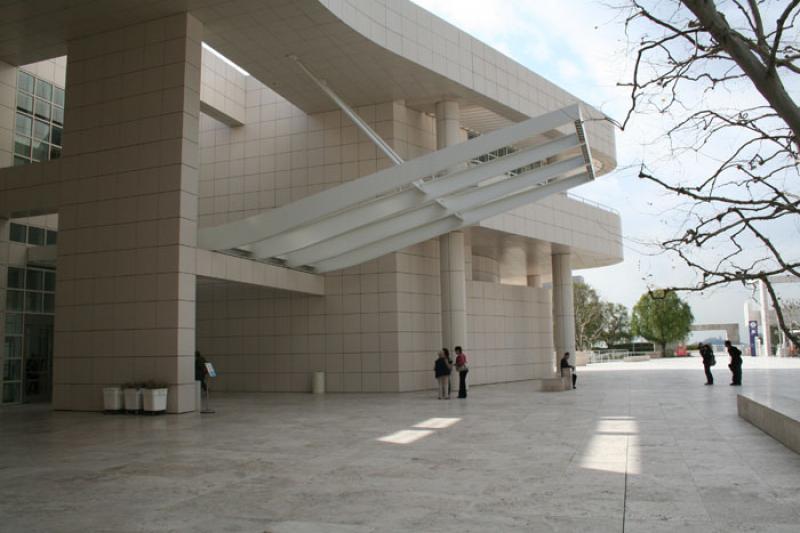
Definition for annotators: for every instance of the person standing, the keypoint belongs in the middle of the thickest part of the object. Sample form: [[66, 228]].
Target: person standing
[[736, 363], [462, 369], [442, 371], [565, 364], [200, 370], [450, 376], [707, 353]]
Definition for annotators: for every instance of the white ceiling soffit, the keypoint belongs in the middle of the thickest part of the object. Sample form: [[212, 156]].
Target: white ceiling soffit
[[420, 199]]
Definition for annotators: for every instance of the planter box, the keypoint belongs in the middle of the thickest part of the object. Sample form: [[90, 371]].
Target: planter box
[[112, 399], [133, 399], [155, 400]]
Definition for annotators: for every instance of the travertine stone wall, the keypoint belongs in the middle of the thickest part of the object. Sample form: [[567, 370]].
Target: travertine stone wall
[[8, 90], [485, 269], [125, 297], [511, 333], [222, 90], [267, 340]]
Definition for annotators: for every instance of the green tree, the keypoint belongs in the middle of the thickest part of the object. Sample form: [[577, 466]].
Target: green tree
[[588, 315], [616, 324], [661, 317]]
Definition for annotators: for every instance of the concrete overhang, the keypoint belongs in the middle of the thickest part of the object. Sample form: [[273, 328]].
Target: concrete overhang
[[371, 52]]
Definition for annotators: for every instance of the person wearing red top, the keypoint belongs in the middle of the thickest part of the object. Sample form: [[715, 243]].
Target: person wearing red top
[[461, 367]]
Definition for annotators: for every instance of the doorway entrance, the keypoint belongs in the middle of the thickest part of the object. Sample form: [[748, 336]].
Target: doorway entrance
[[27, 358], [37, 379]]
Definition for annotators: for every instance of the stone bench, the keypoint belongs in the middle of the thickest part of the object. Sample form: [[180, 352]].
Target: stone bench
[[558, 382], [636, 358], [777, 416]]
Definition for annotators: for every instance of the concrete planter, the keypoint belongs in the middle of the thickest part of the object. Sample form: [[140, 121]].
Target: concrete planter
[[154, 400], [112, 399], [133, 399]]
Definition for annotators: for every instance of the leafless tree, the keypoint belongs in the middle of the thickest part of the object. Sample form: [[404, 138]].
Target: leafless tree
[[725, 75]]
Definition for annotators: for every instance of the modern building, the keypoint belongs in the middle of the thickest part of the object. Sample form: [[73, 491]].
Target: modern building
[[368, 185]]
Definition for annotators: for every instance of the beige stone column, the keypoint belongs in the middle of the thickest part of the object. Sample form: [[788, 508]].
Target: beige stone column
[[563, 304], [535, 281], [451, 246], [125, 297], [4, 228], [8, 94]]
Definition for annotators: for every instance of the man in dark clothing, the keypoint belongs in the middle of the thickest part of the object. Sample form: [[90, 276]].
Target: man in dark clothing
[[708, 361], [736, 363], [200, 370], [565, 364]]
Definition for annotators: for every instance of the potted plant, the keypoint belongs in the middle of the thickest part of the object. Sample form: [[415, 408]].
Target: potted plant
[[133, 396], [112, 399], [154, 397]]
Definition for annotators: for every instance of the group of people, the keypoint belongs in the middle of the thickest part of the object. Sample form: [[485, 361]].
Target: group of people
[[735, 365], [444, 367]]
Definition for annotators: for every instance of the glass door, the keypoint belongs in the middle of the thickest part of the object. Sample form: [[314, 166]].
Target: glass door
[[37, 376]]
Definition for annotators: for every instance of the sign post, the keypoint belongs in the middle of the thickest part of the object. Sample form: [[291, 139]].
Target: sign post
[[212, 374], [752, 328]]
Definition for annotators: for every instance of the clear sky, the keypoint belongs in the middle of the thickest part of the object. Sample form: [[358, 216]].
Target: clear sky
[[581, 46]]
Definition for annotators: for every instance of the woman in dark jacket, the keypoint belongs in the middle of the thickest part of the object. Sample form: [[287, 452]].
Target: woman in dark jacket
[[442, 370]]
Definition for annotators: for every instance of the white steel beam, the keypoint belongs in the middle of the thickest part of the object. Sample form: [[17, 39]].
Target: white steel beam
[[349, 194], [481, 195], [368, 233], [337, 224], [524, 198], [451, 223], [474, 175]]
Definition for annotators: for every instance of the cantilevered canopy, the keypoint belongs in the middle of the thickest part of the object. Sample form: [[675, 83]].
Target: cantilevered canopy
[[416, 200]]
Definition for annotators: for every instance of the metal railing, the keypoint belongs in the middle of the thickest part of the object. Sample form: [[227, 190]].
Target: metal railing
[[614, 355], [592, 203]]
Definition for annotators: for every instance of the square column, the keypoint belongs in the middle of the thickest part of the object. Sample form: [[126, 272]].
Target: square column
[[563, 305], [125, 297], [452, 259], [4, 257]]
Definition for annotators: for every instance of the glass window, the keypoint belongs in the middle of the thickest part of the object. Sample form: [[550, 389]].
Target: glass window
[[24, 81], [13, 347], [41, 130], [52, 238], [11, 392], [58, 115], [11, 369], [18, 233], [42, 109], [24, 125], [16, 277], [13, 324], [35, 278], [49, 303], [25, 102], [22, 146], [55, 135], [41, 151], [55, 152], [19, 161], [50, 278], [33, 302], [14, 300], [58, 96], [36, 237], [44, 90]]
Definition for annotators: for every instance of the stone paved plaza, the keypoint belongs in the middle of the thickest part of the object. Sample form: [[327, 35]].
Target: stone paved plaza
[[637, 447]]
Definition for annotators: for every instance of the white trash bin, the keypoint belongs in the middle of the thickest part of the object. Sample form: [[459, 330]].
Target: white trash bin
[[318, 383]]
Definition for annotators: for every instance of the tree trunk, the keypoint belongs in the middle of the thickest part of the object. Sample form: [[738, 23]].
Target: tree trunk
[[663, 349]]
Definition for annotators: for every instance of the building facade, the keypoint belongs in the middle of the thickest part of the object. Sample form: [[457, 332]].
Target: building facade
[[121, 182]]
